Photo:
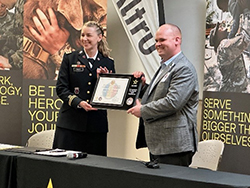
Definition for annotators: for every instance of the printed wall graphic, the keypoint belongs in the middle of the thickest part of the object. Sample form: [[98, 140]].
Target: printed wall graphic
[[11, 63], [42, 54], [10, 106], [34, 36], [225, 112], [227, 51], [40, 107], [141, 20]]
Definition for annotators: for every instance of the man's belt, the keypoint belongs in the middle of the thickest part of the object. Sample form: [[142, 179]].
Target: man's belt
[[34, 50]]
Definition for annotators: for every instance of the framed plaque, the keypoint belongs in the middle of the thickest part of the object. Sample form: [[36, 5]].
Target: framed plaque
[[116, 91]]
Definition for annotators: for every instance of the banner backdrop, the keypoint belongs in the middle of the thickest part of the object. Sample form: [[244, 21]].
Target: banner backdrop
[[11, 106], [30, 60], [11, 63], [140, 19], [225, 111]]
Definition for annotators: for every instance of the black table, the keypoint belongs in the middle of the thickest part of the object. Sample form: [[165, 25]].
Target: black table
[[31, 171]]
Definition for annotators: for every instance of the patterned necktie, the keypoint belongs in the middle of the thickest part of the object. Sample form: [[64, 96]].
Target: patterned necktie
[[91, 62], [163, 65]]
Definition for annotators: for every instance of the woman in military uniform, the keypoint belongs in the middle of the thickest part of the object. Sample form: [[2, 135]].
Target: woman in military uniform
[[81, 127]]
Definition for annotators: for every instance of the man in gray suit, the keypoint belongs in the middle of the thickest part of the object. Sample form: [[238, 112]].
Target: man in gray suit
[[169, 103]]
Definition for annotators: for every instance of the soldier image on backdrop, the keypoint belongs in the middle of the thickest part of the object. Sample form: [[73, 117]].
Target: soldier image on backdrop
[[236, 8], [6, 25], [15, 42], [230, 53], [54, 27]]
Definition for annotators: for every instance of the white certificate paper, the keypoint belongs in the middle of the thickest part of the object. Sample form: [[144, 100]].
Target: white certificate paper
[[111, 90]]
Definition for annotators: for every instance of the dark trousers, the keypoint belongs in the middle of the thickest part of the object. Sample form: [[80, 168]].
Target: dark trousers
[[181, 159], [91, 142]]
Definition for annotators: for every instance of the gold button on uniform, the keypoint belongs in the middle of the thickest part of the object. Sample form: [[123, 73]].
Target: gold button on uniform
[[90, 74], [87, 100], [89, 83], [88, 92]]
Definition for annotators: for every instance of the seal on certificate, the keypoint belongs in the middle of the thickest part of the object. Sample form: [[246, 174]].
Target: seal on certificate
[[129, 101]]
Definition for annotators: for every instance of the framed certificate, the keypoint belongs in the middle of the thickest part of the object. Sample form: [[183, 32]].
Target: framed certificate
[[116, 91]]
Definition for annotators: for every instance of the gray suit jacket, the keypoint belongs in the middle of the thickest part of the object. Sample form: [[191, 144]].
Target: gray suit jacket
[[169, 110]]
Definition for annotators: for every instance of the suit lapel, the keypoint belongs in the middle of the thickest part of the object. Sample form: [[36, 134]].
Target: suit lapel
[[162, 74], [168, 68]]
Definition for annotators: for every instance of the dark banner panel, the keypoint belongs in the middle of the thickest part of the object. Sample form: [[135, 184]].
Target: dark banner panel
[[226, 117], [11, 63], [10, 106], [226, 99], [40, 107], [42, 55], [34, 35]]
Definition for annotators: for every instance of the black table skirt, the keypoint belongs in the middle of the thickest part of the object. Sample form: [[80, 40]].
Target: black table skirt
[[29, 171]]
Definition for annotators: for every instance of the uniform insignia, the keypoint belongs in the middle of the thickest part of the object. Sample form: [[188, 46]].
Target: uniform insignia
[[83, 66], [78, 67], [71, 98], [98, 59], [76, 90]]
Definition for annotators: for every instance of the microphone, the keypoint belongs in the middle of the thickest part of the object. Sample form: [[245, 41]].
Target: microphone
[[76, 155]]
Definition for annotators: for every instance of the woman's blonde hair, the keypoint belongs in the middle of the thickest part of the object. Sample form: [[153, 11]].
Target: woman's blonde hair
[[103, 44]]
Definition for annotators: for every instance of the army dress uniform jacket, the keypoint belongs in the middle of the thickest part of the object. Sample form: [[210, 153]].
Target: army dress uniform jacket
[[76, 82]]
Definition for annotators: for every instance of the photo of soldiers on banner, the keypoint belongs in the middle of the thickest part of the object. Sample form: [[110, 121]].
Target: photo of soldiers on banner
[[52, 28], [11, 34], [227, 51]]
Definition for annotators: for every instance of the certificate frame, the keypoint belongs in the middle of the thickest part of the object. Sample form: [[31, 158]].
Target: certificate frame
[[115, 91]]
